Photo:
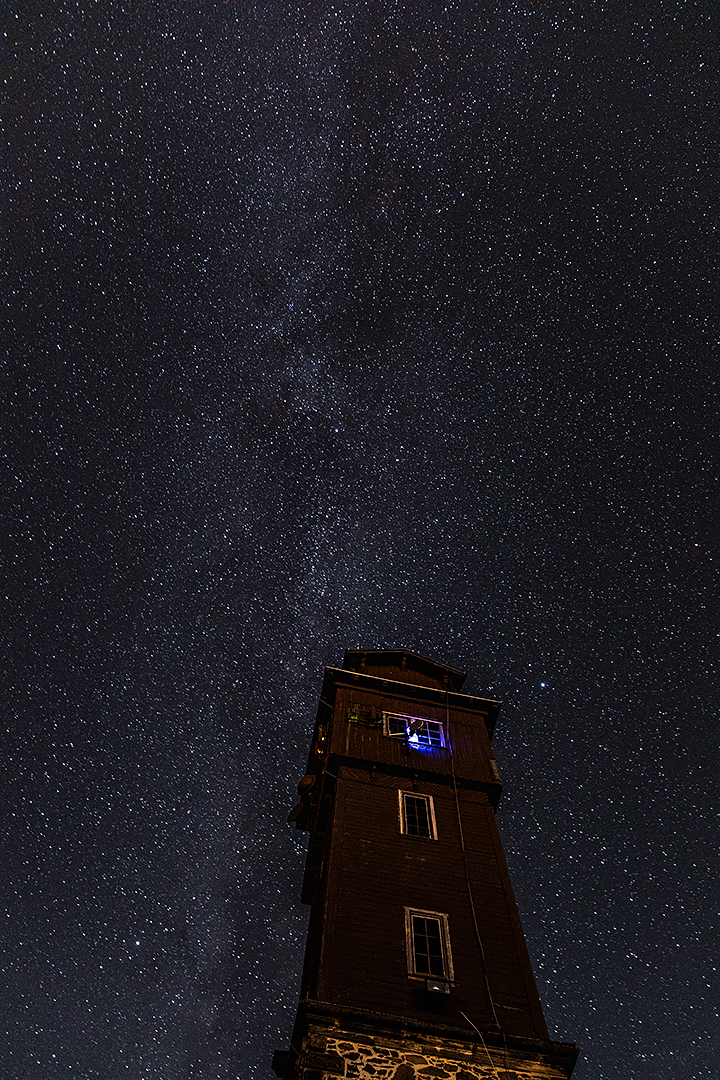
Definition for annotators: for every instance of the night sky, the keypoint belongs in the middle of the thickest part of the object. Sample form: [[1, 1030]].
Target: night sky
[[342, 324]]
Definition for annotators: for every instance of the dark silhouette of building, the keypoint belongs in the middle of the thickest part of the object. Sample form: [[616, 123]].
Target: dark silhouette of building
[[416, 964]]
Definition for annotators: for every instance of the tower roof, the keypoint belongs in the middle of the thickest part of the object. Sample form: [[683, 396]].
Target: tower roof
[[401, 662]]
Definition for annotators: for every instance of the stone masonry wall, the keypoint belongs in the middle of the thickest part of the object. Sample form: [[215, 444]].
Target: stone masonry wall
[[330, 1057]]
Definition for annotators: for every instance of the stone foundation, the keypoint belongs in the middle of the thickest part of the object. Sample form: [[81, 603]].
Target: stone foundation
[[330, 1051]]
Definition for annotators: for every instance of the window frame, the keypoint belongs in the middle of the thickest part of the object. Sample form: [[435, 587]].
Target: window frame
[[403, 794], [442, 920], [437, 724]]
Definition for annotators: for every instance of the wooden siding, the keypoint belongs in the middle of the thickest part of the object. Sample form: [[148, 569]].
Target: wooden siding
[[374, 872], [465, 735]]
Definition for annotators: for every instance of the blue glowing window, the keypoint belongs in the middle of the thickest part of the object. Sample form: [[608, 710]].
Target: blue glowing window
[[420, 733]]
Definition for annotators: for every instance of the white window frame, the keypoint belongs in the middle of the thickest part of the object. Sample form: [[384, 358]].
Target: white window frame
[[407, 729], [403, 794], [449, 973]]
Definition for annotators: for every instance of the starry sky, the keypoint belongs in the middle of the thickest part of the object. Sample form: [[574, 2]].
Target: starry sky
[[345, 324]]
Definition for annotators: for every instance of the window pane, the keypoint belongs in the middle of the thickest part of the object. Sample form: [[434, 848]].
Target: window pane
[[429, 734], [420, 733], [417, 818], [425, 733], [427, 946]]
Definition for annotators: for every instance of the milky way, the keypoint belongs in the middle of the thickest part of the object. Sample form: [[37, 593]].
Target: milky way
[[368, 324]]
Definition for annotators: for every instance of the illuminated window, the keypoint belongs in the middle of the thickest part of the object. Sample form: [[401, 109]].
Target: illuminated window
[[417, 815], [428, 944], [420, 733]]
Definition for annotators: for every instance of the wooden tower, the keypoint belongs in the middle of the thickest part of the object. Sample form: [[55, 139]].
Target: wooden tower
[[416, 966]]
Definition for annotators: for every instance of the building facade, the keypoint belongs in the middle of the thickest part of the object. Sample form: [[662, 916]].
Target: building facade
[[416, 966]]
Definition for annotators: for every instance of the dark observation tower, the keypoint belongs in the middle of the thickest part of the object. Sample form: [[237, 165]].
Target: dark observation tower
[[416, 966]]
